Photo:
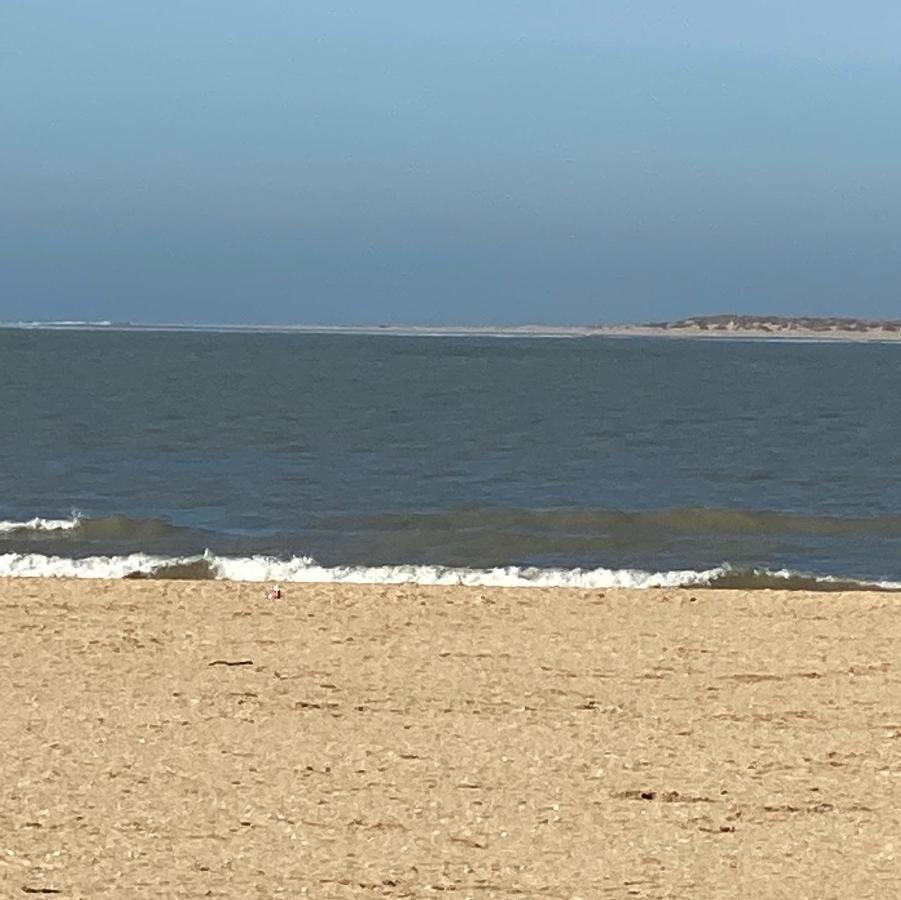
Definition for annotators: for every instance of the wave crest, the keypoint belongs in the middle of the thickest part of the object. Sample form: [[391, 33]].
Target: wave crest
[[39, 524], [115, 527], [305, 570]]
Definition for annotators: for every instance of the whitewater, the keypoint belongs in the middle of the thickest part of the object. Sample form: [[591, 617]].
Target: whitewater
[[8, 526], [306, 570]]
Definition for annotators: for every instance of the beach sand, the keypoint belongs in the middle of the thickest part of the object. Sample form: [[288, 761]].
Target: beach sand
[[458, 742]]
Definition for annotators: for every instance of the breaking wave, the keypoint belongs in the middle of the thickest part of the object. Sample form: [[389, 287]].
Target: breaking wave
[[305, 569], [38, 524], [81, 527]]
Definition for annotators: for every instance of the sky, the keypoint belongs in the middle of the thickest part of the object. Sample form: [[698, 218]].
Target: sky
[[471, 162]]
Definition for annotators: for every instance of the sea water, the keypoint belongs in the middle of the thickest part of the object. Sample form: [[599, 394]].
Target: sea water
[[582, 461]]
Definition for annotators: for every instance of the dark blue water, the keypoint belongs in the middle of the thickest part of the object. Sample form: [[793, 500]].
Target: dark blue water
[[474, 452]]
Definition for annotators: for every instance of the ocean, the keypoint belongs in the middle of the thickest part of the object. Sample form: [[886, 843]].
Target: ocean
[[581, 461]]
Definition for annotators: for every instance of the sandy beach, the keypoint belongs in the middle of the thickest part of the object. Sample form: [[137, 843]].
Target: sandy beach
[[194, 739]]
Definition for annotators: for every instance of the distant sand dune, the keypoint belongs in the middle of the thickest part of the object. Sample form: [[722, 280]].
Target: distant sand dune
[[821, 328]]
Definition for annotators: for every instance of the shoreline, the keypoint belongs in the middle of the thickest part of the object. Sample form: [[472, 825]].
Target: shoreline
[[800, 335], [300, 571], [190, 738]]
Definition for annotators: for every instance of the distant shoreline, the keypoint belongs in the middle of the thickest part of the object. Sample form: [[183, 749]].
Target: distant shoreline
[[795, 328], [794, 335], [724, 327]]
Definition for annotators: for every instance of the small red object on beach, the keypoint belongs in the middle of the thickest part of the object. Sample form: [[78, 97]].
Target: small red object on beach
[[275, 593]]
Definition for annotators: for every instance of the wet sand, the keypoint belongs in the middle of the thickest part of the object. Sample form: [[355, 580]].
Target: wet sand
[[193, 739]]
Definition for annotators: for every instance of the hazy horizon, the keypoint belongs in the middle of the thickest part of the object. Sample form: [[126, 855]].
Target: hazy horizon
[[403, 164]]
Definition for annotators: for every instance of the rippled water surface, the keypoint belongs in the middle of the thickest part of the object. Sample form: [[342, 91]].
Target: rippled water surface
[[468, 452]]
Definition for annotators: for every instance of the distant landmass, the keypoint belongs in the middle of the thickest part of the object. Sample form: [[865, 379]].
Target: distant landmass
[[798, 327], [725, 325]]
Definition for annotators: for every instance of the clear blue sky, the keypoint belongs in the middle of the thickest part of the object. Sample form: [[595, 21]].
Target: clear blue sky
[[483, 162]]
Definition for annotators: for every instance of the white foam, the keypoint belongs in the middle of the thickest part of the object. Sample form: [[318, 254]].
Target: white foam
[[39, 524], [788, 574], [37, 565], [306, 570]]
